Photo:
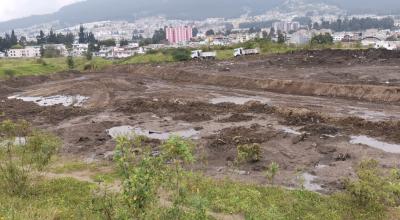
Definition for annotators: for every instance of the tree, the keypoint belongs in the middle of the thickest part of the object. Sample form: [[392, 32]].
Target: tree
[[22, 41], [210, 32], [195, 32], [159, 36], [13, 38], [82, 35], [322, 39], [123, 42], [41, 38], [281, 38], [70, 62]]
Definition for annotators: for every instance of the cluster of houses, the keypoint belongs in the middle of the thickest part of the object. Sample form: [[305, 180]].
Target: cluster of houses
[[297, 35], [77, 50]]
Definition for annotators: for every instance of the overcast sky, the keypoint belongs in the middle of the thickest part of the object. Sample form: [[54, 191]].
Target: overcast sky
[[10, 9]]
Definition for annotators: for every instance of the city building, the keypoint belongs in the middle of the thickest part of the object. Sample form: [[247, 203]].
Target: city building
[[28, 52], [60, 47], [79, 49], [285, 26], [181, 34]]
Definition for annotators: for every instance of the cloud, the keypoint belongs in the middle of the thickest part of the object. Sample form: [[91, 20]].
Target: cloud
[[10, 9]]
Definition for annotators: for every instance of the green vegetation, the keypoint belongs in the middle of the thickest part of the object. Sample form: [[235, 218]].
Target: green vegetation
[[248, 153], [160, 187], [24, 67]]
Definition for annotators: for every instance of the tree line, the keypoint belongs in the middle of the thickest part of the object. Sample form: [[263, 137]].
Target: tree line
[[355, 24]]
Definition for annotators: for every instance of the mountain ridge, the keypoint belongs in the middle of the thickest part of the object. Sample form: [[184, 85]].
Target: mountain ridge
[[97, 10]]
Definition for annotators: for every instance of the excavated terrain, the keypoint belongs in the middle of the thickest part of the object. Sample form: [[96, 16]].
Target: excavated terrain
[[315, 113]]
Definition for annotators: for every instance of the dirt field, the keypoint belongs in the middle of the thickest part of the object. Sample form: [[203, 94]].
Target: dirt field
[[309, 111]]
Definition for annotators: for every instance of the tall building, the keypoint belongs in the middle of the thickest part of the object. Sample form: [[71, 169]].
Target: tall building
[[286, 26], [178, 34]]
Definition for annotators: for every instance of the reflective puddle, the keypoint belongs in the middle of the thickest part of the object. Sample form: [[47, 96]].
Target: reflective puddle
[[290, 130], [309, 183], [365, 140], [238, 100], [129, 131], [66, 101]]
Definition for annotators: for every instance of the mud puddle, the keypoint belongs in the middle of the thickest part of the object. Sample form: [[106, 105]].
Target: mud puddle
[[238, 100], [66, 101], [129, 131], [371, 142], [309, 183]]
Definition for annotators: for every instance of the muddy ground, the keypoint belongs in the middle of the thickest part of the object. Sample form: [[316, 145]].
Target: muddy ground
[[307, 110]]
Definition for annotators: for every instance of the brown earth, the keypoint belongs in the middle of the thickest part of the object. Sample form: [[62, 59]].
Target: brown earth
[[301, 108]]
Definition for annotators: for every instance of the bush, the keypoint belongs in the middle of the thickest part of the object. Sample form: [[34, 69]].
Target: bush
[[9, 73], [181, 54], [25, 152], [41, 61], [70, 62], [248, 153], [372, 190]]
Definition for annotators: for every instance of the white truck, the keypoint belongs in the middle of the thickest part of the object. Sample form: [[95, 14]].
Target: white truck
[[198, 54], [243, 52]]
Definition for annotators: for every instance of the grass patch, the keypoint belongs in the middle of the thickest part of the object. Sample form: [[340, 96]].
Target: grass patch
[[259, 202], [51, 199], [158, 57], [25, 67]]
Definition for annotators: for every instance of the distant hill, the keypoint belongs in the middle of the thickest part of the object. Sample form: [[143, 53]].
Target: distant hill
[[97, 10]]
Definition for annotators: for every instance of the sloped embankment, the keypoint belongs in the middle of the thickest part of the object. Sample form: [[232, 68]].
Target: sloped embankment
[[371, 93]]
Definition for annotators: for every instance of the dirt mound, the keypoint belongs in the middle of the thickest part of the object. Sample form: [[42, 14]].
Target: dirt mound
[[194, 117], [188, 110], [17, 109], [5, 90], [237, 118], [229, 138], [319, 129], [300, 117]]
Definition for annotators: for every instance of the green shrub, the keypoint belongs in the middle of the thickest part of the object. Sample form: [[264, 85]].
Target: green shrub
[[9, 73], [181, 54], [248, 153], [23, 153], [371, 189]]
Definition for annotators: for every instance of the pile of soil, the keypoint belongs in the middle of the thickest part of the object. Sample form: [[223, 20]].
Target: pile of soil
[[236, 118], [229, 138], [319, 129]]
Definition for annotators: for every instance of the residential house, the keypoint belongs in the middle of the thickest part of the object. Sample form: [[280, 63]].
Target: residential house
[[27, 52], [2, 55], [79, 50]]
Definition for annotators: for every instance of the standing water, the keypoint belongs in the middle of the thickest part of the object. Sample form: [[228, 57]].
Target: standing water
[[387, 147]]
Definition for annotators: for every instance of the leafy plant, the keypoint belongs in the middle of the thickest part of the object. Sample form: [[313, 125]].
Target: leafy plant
[[248, 153], [23, 153], [141, 175], [271, 172]]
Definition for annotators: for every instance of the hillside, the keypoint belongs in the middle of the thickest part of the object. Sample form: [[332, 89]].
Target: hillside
[[97, 10]]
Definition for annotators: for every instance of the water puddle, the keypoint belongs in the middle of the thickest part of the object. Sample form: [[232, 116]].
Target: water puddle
[[365, 140], [289, 130], [369, 115], [309, 183], [129, 131], [66, 101], [238, 100]]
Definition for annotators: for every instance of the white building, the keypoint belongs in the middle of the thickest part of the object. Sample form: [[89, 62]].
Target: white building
[[285, 26], [300, 37], [388, 45], [79, 49], [27, 52], [60, 47], [2, 55]]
